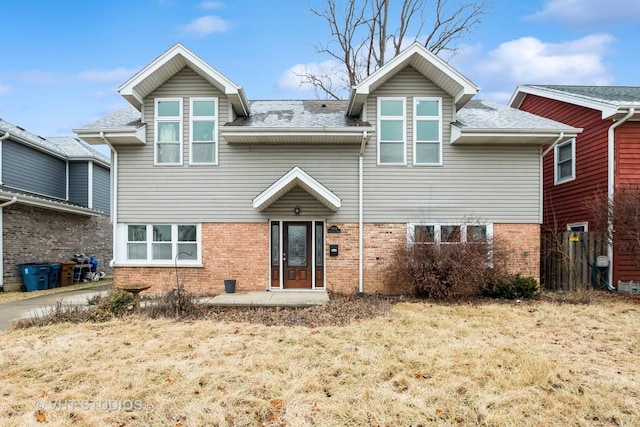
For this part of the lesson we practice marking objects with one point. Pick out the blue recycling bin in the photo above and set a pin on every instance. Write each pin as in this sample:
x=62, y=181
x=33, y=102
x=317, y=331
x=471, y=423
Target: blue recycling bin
x=54, y=274
x=35, y=276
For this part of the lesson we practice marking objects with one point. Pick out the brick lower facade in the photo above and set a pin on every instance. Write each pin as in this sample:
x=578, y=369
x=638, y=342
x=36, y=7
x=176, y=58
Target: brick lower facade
x=32, y=234
x=241, y=252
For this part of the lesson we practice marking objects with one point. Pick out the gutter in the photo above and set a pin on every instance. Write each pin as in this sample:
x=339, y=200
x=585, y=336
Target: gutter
x=611, y=186
x=365, y=139
x=114, y=195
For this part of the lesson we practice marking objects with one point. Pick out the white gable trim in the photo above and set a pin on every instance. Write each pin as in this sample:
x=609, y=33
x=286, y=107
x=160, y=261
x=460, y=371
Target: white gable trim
x=608, y=110
x=170, y=62
x=428, y=64
x=297, y=177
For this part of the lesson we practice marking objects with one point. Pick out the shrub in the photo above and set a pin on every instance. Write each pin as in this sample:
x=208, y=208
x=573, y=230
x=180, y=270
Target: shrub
x=512, y=287
x=440, y=271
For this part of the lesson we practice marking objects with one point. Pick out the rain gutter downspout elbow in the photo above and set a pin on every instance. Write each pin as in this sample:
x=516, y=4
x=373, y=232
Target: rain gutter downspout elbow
x=611, y=185
x=114, y=195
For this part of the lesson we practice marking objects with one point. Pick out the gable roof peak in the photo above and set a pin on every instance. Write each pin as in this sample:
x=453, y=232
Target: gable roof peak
x=426, y=63
x=167, y=65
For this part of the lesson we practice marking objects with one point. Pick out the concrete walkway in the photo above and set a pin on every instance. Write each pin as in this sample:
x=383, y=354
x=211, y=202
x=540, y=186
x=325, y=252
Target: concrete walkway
x=270, y=299
x=40, y=306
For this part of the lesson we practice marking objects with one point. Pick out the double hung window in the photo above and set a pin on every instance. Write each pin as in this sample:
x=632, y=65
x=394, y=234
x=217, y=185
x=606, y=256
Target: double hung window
x=427, y=125
x=392, y=131
x=168, y=131
x=204, y=119
x=162, y=243
x=565, y=161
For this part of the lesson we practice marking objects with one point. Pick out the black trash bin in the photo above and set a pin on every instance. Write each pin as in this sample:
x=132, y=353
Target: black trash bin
x=229, y=286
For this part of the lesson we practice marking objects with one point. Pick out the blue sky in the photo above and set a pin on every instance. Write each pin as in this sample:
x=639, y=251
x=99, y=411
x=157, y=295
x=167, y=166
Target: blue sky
x=63, y=60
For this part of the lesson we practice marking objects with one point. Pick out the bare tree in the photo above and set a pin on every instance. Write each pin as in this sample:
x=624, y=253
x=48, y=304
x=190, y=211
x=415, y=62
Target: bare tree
x=362, y=32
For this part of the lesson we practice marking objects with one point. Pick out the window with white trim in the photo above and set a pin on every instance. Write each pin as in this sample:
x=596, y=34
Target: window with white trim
x=203, y=130
x=163, y=243
x=392, y=131
x=168, y=131
x=449, y=233
x=427, y=125
x=578, y=226
x=565, y=161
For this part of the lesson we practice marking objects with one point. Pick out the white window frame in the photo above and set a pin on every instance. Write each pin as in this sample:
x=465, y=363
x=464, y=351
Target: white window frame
x=123, y=253
x=213, y=118
x=417, y=119
x=381, y=118
x=157, y=120
x=584, y=225
x=438, y=232
x=556, y=168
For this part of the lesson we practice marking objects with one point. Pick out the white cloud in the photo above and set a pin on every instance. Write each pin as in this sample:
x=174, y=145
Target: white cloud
x=117, y=75
x=291, y=79
x=589, y=12
x=205, y=25
x=529, y=60
x=211, y=4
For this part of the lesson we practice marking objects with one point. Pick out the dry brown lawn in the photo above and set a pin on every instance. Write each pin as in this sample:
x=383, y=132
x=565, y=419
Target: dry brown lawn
x=536, y=363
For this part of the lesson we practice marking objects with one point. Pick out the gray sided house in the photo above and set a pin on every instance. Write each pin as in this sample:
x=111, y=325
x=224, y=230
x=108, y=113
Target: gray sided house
x=314, y=194
x=55, y=201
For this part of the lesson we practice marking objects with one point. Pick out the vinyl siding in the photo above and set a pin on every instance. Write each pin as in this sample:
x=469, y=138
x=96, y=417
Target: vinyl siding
x=79, y=183
x=223, y=193
x=493, y=183
x=27, y=169
x=101, y=188
x=628, y=153
x=565, y=203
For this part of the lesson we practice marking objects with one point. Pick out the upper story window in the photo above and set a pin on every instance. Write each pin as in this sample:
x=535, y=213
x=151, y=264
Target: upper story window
x=168, y=134
x=204, y=119
x=427, y=125
x=565, y=161
x=392, y=124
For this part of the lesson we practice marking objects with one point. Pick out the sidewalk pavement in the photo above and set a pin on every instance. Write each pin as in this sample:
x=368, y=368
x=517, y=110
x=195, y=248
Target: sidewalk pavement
x=41, y=305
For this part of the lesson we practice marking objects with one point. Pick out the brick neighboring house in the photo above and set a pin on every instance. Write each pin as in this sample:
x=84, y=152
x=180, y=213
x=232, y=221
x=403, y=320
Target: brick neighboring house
x=54, y=202
x=282, y=194
x=603, y=157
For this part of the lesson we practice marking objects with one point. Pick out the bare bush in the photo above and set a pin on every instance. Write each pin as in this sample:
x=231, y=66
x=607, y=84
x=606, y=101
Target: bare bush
x=444, y=271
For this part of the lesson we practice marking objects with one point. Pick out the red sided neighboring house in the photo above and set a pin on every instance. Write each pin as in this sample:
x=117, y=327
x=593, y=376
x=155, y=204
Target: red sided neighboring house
x=601, y=158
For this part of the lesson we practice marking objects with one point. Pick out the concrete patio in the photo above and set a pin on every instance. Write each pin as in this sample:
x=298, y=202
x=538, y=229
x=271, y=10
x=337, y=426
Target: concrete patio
x=304, y=298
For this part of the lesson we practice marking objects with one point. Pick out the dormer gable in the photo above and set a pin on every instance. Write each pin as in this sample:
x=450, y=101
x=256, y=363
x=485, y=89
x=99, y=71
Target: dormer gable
x=427, y=64
x=171, y=62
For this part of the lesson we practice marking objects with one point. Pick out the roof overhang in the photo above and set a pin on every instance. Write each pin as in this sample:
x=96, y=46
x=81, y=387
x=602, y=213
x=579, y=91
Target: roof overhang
x=59, y=206
x=115, y=136
x=426, y=63
x=461, y=136
x=297, y=177
x=168, y=64
x=608, y=110
x=248, y=135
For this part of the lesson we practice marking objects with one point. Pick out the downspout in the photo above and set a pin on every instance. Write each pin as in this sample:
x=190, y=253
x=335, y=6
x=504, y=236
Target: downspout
x=13, y=200
x=2, y=138
x=365, y=138
x=611, y=186
x=544, y=153
x=114, y=195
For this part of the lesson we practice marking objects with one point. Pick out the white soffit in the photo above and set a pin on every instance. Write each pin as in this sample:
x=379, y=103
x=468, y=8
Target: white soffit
x=297, y=177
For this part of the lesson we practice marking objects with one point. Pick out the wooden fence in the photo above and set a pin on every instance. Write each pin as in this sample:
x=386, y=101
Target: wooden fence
x=567, y=259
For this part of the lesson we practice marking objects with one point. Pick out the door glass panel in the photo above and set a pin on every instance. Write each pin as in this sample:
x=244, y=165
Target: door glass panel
x=297, y=250
x=275, y=243
x=319, y=244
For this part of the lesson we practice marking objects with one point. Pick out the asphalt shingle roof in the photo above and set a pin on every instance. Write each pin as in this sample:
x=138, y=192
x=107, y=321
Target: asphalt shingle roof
x=614, y=95
x=65, y=146
x=126, y=117
x=483, y=114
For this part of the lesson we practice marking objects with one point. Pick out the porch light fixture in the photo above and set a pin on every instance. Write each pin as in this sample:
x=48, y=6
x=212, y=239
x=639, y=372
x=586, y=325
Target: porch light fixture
x=296, y=210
